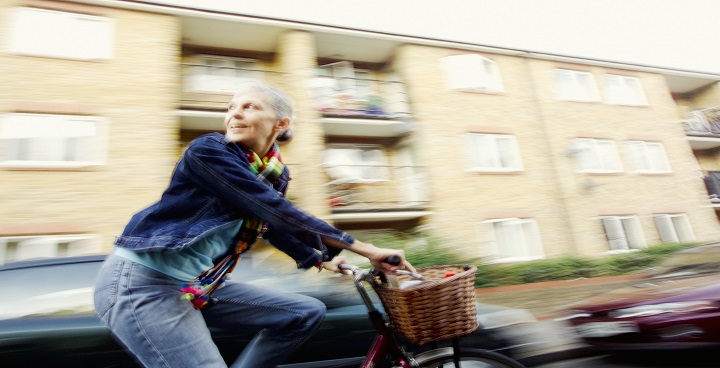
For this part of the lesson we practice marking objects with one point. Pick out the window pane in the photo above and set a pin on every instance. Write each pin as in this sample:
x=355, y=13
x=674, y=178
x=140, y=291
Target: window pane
x=63, y=34
x=471, y=71
x=657, y=157
x=633, y=232
x=34, y=139
x=615, y=233
x=597, y=155
x=513, y=238
x=624, y=90
x=575, y=86
x=648, y=156
x=666, y=229
x=683, y=228
x=493, y=152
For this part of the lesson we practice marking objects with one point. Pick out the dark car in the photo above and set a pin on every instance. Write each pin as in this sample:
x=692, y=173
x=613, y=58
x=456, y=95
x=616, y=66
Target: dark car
x=47, y=317
x=676, y=307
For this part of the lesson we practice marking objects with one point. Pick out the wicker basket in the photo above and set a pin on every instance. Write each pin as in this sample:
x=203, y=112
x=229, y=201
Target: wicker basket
x=441, y=308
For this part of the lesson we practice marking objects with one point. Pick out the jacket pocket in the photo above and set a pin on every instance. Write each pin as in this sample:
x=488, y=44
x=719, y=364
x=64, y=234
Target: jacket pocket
x=106, y=288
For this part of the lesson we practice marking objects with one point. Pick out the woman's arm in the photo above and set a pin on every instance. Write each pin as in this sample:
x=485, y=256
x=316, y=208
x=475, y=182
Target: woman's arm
x=376, y=256
x=225, y=173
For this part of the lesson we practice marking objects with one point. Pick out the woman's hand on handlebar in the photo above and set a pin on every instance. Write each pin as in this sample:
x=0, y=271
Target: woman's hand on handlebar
x=379, y=261
x=334, y=264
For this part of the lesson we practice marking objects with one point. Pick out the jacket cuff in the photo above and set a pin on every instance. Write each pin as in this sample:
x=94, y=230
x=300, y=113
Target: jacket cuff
x=310, y=261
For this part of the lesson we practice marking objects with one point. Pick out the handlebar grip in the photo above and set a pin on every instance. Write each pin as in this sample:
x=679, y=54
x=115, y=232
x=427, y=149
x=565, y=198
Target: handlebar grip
x=344, y=266
x=393, y=260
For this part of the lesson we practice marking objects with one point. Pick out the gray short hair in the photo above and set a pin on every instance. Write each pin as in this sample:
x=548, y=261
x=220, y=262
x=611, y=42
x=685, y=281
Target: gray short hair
x=280, y=102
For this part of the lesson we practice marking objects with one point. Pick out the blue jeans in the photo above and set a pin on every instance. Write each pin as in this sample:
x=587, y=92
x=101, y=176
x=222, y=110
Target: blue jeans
x=144, y=312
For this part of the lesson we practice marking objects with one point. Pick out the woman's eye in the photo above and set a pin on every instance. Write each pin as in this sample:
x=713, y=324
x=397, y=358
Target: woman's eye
x=231, y=107
x=250, y=107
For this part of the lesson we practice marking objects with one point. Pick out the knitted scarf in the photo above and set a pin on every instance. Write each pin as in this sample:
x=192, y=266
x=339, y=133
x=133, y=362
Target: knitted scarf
x=268, y=169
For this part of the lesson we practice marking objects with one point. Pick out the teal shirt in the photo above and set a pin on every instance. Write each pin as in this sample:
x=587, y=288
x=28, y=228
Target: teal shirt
x=188, y=263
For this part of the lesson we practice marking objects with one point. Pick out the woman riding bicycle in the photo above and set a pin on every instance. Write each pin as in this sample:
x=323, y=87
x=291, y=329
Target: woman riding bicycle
x=225, y=191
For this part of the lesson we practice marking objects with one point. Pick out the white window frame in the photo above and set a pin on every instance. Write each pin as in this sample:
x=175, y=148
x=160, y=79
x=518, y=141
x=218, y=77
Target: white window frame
x=512, y=239
x=61, y=34
x=596, y=155
x=52, y=141
x=624, y=90
x=674, y=228
x=648, y=157
x=220, y=74
x=573, y=85
x=623, y=233
x=471, y=72
x=356, y=164
x=18, y=248
x=493, y=152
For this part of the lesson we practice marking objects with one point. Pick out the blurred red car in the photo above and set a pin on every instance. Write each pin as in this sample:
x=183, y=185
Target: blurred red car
x=676, y=307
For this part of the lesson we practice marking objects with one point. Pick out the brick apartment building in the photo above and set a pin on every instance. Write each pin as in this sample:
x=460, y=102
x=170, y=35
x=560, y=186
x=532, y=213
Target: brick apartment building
x=501, y=153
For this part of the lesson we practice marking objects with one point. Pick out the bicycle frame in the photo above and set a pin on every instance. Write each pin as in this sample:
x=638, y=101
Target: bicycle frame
x=385, y=342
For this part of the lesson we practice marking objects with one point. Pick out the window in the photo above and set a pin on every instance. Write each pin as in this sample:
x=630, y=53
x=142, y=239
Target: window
x=493, y=152
x=17, y=248
x=623, y=233
x=513, y=239
x=52, y=141
x=674, y=228
x=622, y=90
x=220, y=74
x=472, y=72
x=357, y=164
x=575, y=86
x=648, y=157
x=62, y=34
x=596, y=155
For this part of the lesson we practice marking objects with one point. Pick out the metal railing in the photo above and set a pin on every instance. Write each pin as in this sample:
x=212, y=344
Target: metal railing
x=212, y=91
x=360, y=98
x=351, y=188
x=334, y=97
x=703, y=122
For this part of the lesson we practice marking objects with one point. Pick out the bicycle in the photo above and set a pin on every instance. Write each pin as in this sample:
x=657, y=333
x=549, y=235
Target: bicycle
x=387, y=346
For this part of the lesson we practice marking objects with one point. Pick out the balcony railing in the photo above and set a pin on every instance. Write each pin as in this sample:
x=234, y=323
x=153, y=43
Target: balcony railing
x=704, y=122
x=210, y=89
x=360, y=98
x=712, y=184
x=367, y=188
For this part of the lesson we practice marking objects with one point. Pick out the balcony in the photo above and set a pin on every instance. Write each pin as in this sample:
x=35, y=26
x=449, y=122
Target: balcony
x=703, y=128
x=208, y=85
x=365, y=107
x=358, y=193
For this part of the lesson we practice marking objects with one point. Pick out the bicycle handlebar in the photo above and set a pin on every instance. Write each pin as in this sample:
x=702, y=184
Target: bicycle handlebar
x=392, y=260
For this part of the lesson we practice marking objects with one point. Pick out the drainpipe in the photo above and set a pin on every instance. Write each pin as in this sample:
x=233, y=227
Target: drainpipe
x=553, y=159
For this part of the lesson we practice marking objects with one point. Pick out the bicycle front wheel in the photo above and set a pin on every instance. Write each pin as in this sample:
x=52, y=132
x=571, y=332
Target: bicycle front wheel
x=467, y=358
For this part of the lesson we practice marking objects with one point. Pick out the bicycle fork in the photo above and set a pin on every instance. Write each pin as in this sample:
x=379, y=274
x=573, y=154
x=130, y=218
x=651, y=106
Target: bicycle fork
x=386, y=345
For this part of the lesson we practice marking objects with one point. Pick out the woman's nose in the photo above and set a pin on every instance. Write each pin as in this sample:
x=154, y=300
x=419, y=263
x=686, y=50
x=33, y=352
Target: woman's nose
x=236, y=112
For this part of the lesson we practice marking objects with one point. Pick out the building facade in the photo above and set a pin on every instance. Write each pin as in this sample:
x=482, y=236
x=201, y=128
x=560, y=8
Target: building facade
x=502, y=154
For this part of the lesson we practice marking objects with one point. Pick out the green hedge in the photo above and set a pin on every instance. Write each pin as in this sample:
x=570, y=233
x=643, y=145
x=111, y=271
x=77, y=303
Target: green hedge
x=423, y=251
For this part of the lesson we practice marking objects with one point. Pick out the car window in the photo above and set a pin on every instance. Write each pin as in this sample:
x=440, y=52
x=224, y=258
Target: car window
x=67, y=289
x=48, y=290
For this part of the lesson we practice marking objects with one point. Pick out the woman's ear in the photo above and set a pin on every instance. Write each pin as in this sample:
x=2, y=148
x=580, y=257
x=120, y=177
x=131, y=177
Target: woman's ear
x=282, y=125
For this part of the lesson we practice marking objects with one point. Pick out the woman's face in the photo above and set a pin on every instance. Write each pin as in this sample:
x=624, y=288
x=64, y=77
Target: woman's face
x=251, y=121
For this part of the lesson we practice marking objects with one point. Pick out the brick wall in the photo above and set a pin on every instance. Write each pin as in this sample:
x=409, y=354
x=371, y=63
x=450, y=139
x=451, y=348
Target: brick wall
x=136, y=92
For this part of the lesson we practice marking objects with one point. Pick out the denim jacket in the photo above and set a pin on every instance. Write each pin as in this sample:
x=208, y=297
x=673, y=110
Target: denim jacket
x=213, y=186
